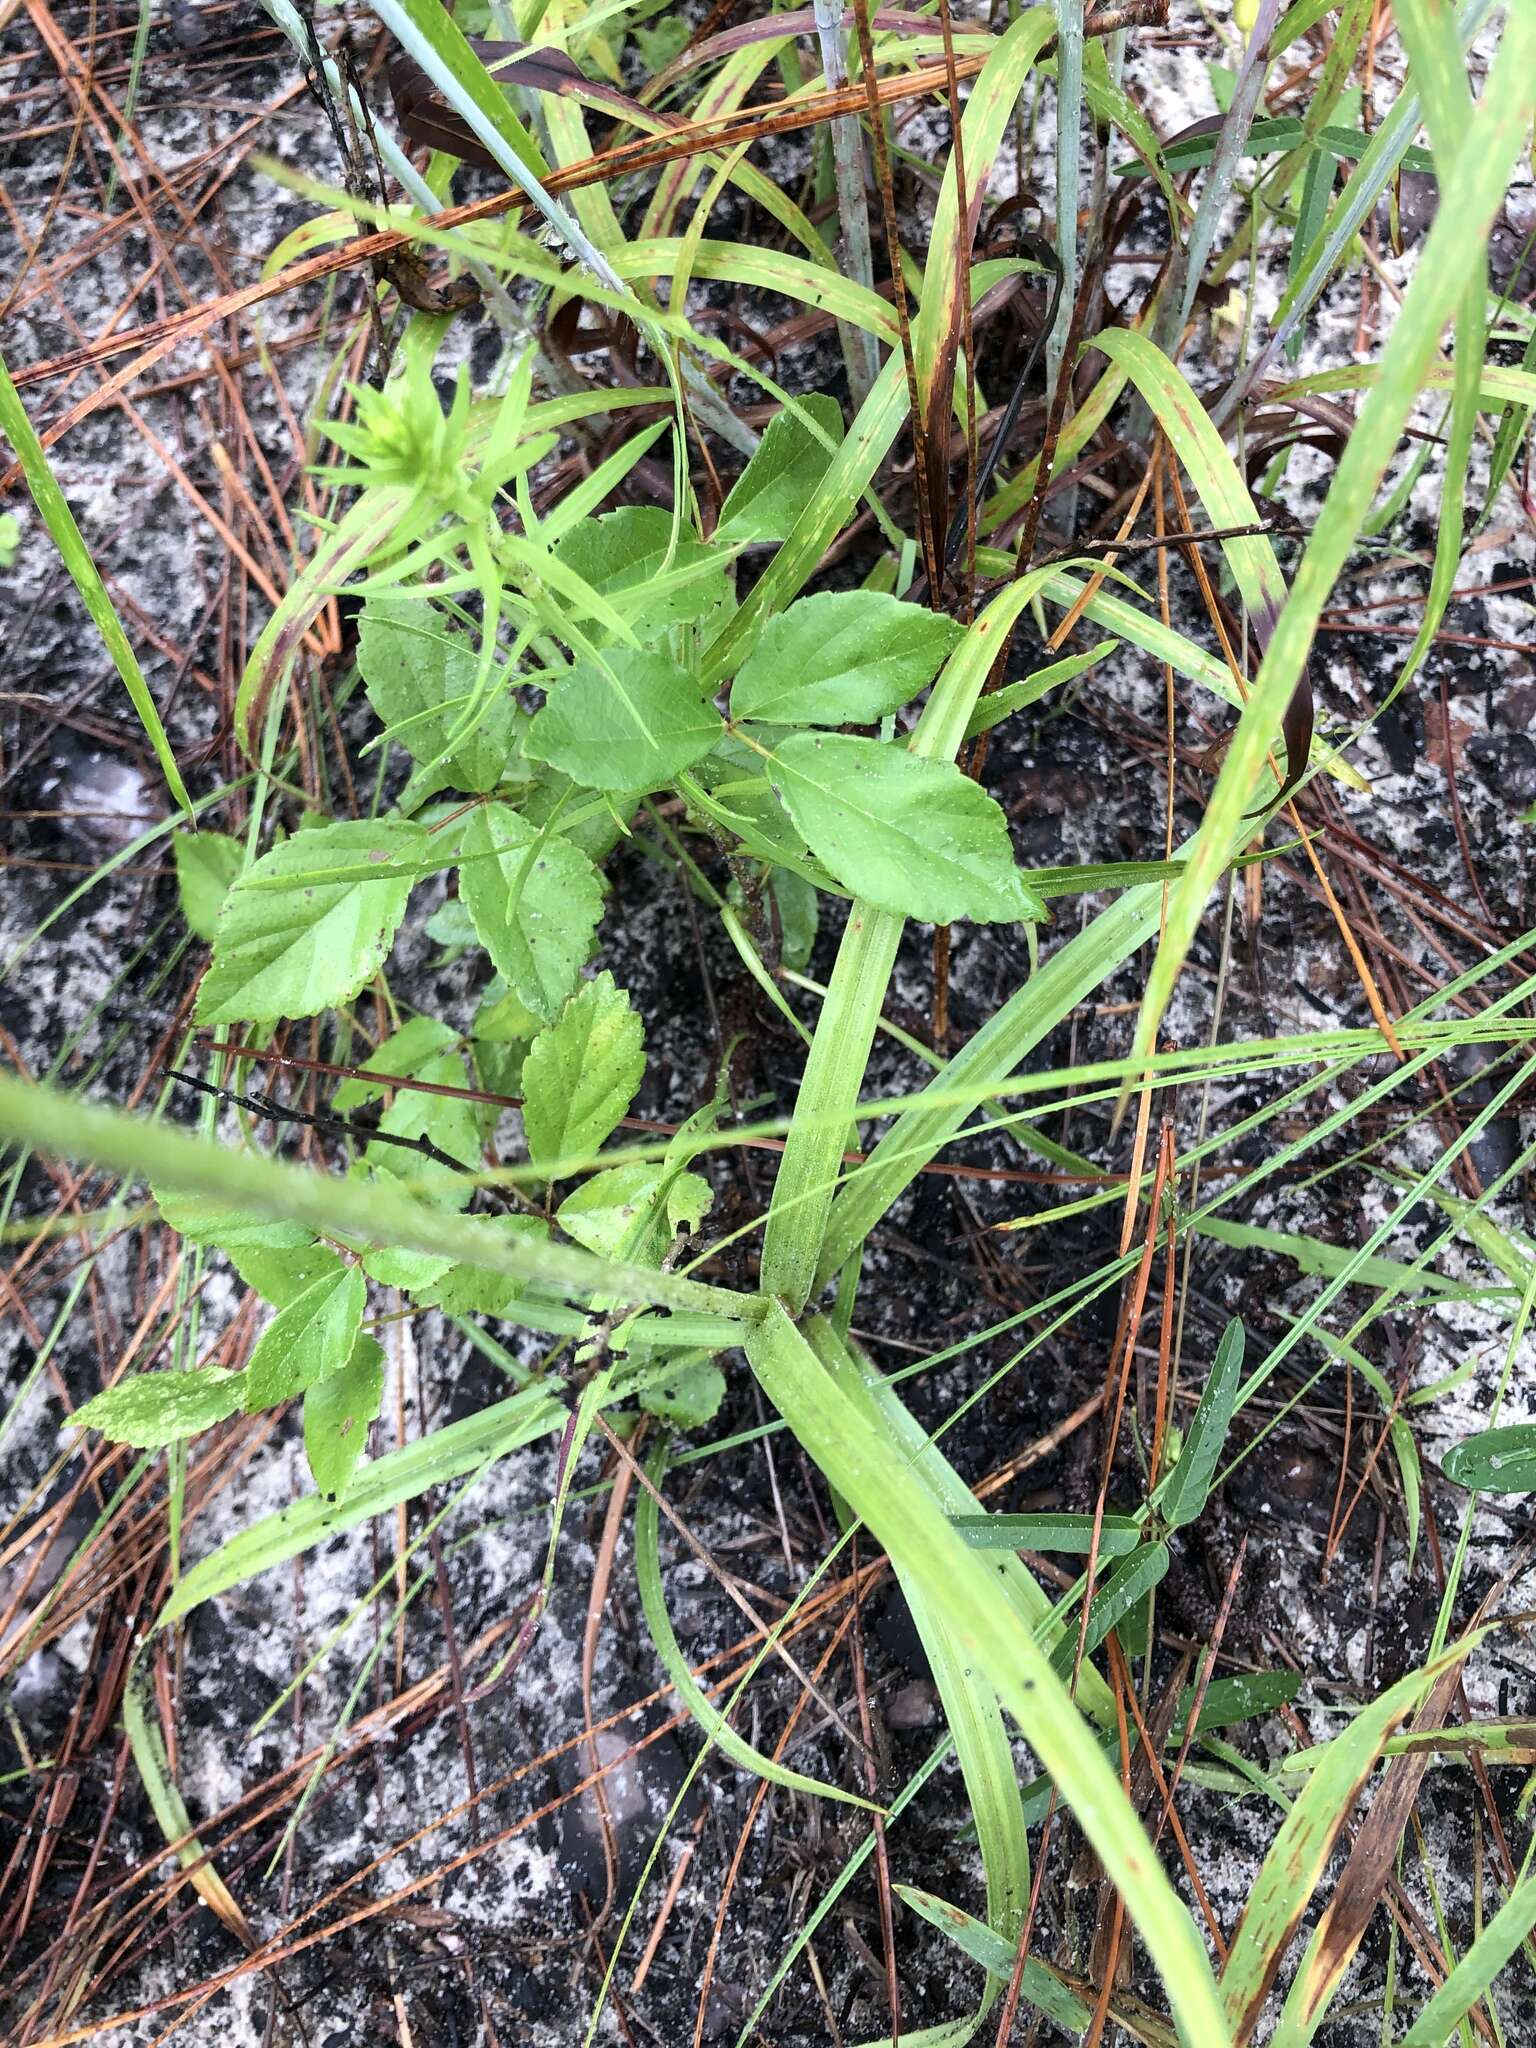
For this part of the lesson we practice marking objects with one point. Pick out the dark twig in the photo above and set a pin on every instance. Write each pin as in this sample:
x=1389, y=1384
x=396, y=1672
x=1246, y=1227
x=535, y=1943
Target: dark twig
x=336, y=1126
x=997, y=446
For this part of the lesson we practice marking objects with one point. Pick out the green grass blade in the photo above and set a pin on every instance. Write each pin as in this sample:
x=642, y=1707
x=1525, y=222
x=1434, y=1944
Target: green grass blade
x=834, y=1067
x=379, y=1485
x=65, y=1127
x=1299, y=1854
x=67, y=538
x=848, y=475
x=716, y=1727
x=1214, y=474
x=983, y=1064
x=926, y=1460
x=982, y=1744
x=1452, y=253
x=1038, y=1985
x=1473, y=1975
x=871, y=1475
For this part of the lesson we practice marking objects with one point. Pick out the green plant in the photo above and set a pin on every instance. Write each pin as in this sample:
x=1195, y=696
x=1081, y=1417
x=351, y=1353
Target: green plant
x=549, y=678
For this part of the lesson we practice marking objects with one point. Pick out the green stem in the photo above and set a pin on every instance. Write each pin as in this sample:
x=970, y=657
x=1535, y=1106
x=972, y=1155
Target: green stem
x=64, y=1127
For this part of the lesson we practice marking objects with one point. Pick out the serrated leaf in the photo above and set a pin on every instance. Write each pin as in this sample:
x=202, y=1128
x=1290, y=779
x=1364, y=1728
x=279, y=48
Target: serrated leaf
x=156, y=1408
x=911, y=836
x=419, y=676
x=535, y=900
x=281, y=1274
x=312, y=1336
x=337, y=1412
x=581, y=1074
x=628, y=557
x=843, y=657
x=471, y=1290
x=1183, y=1493
x=1495, y=1460
x=450, y=1123
x=633, y=1212
x=688, y=1394
x=204, y=1222
x=293, y=951
x=783, y=474
x=632, y=728
x=446, y=1121
x=393, y=1266
x=206, y=864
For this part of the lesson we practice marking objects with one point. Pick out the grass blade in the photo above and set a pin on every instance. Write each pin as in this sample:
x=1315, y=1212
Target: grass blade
x=60, y=522
x=1452, y=253
x=1299, y=1853
x=1473, y=1975
x=65, y=1127
x=716, y=1726
x=865, y=1467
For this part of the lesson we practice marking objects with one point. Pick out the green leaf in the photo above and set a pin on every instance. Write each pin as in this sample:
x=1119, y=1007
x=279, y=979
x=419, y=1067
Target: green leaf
x=1038, y=1983
x=535, y=900
x=156, y=1408
x=844, y=657
x=1183, y=1493
x=799, y=912
x=687, y=1394
x=420, y=677
x=629, y=557
x=474, y=1291
x=911, y=836
x=709, y=1717
x=76, y=556
x=312, y=1336
x=206, y=864
x=874, y=1475
x=581, y=1074
x=633, y=1212
x=1013, y=697
x=1127, y=1585
x=1240, y=1698
x=403, y=1054
x=1495, y=1460
x=632, y=728
x=290, y=951
x=1495, y=1945
x=446, y=1121
x=337, y=1412
x=771, y=492
x=207, y=1222
x=281, y=1274
x=1070, y=1534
